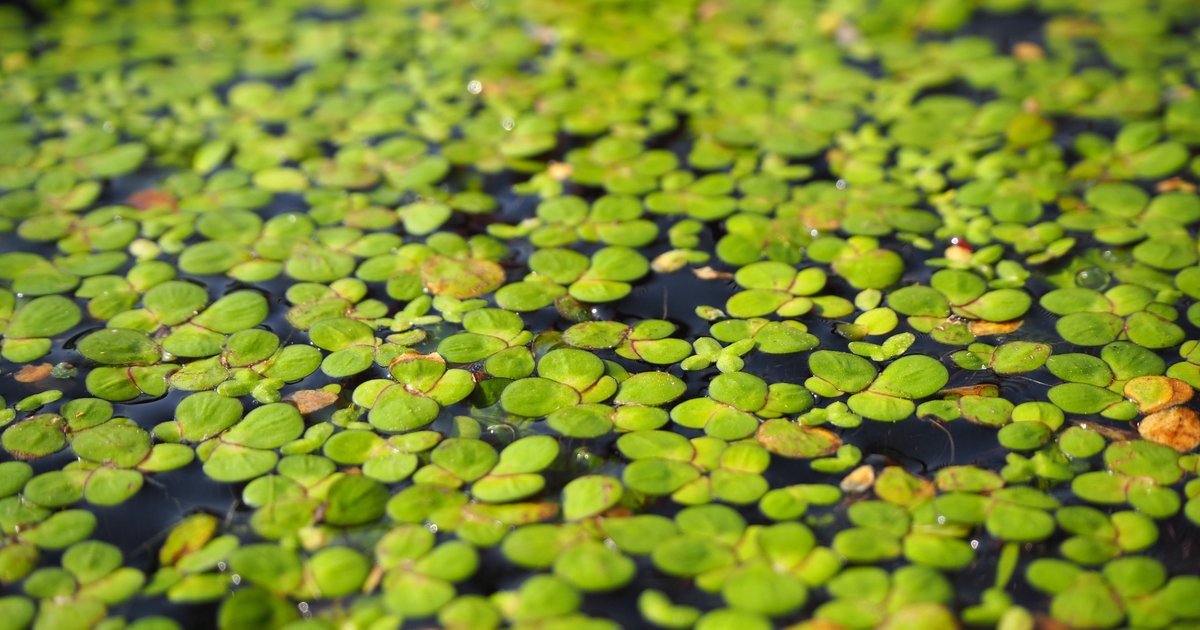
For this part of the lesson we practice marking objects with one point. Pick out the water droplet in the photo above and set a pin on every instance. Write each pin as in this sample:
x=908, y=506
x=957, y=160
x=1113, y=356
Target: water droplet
x=107, y=126
x=601, y=313
x=502, y=433
x=508, y=123
x=236, y=579
x=974, y=544
x=585, y=460
x=841, y=184
x=1115, y=255
x=220, y=566
x=302, y=607
x=1092, y=278
x=474, y=87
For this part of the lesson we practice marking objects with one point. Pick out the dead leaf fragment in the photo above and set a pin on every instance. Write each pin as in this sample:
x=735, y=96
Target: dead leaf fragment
x=545, y=36
x=461, y=278
x=430, y=21
x=1177, y=427
x=958, y=253
x=670, y=261
x=1028, y=51
x=560, y=170
x=310, y=400
x=373, y=579
x=985, y=390
x=789, y=439
x=1067, y=203
x=985, y=329
x=619, y=511
x=859, y=480
x=897, y=486
x=708, y=10
x=33, y=373
x=1174, y=184
x=151, y=198
x=1046, y=622
x=708, y=273
x=1112, y=433
x=1155, y=393
x=14, y=61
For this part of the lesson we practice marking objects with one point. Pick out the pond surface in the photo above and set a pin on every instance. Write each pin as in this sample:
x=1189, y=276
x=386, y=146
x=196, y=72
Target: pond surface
x=723, y=314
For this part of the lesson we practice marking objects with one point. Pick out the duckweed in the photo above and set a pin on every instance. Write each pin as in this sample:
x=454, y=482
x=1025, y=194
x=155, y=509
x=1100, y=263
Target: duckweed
x=714, y=315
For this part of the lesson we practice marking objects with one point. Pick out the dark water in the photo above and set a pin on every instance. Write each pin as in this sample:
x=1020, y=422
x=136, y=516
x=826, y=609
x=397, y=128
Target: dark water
x=922, y=447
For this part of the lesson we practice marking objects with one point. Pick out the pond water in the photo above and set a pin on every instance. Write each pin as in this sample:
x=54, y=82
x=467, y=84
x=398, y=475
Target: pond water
x=405, y=313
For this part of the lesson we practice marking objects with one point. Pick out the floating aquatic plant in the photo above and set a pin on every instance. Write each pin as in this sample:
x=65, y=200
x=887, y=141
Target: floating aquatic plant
x=543, y=315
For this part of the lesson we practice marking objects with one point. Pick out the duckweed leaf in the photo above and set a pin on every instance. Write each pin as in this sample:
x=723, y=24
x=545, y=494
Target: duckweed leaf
x=792, y=440
x=591, y=566
x=589, y=496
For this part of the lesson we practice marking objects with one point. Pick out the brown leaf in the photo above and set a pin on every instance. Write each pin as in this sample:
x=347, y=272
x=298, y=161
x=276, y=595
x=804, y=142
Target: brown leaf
x=959, y=253
x=373, y=579
x=1028, y=51
x=859, y=480
x=619, y=511
x=708, y=10
x=33, y=373
x=461, y=278
x=1175, y=184
x=708, y=273
x=1177, y=427
x=788, y=439
x=510, y=513
x=1112, y=433
x=188, y=537
x=984, y=329
x=560, y=170
x=310, y=400
x=983, y=389
x=1046, y=622
x=896, y=485
x=1155, y=393
x=430, y=21
x=545, y=36
x=1067, y=203
x=836, y=156
x=669, y=261
x=151, y=198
